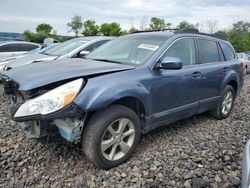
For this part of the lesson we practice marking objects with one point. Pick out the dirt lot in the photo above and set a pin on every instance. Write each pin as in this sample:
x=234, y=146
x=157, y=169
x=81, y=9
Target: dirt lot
x=198, y=152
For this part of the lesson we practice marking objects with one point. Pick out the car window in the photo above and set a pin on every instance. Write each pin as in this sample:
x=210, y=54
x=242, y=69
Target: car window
x=240, y=55
x=129, y=49
x=220, y=53
x=10, y=48
x=247, y=57
x=227, y=50
x=208, y=51
x=92, y=47
x=65, y=47
x=28, y=47
x=183, y=49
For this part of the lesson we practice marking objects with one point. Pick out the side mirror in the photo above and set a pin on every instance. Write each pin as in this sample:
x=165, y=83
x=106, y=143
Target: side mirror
x=172, y=63
x=83, y=53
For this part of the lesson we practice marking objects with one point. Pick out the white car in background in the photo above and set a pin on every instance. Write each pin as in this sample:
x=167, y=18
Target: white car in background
x=11, y=48
x=245, y=59
x=77, y=47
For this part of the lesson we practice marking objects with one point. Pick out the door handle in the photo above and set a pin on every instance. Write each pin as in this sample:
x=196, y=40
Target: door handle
x=196, y=75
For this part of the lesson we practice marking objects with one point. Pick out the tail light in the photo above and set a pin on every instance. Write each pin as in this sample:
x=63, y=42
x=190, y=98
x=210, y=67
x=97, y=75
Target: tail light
x=242, y=66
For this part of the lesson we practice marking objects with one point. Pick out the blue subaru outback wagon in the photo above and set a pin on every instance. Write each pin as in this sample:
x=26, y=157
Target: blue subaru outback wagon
x=126, y=88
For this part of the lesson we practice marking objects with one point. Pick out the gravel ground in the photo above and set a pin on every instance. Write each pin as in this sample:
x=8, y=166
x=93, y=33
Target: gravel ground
x=198, y=152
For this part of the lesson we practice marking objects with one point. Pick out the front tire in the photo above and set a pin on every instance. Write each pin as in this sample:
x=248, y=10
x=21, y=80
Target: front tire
x=111, y=135
x=225, y=105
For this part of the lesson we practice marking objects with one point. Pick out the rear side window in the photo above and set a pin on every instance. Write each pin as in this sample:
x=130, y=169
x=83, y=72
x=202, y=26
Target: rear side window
x=208, y=51
x=10, y=48
x=227, y=50
x=183, y=49
x=17, y=47
x=27, y=47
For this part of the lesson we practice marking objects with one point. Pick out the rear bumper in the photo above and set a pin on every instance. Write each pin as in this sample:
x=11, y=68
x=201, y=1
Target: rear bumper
x=246, y=167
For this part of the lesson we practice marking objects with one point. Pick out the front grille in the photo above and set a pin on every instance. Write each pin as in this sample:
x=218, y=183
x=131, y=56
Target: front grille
x=9, y=85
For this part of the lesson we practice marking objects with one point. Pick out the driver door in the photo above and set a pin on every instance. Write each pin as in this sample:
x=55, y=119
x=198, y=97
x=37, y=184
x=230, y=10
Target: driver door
x=175, y=92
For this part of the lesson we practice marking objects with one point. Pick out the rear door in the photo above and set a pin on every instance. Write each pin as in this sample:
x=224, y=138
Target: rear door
x=212, y=68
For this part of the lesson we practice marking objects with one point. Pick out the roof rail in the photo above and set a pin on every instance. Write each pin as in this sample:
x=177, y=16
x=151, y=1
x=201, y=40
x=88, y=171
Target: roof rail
x=187, y=31
x=180, y=31
x=154, y=30
x=196, y=31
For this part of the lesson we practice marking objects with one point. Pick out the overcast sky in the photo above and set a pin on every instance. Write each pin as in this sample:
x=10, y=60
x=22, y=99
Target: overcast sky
x=19, y=15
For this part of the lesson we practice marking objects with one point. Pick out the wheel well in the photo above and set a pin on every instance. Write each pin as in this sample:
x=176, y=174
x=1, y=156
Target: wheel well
x=134, y=104
x=234, y=85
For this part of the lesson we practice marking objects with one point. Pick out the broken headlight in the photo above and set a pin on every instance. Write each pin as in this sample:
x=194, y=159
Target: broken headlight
x=51, y=101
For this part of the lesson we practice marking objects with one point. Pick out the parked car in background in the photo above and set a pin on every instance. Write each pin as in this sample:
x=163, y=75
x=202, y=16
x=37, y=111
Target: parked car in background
x=73, y=48
x=248, y=53
x=16, y=48
x=126, y=88
x=245, y=59
x=245, y=180
x=4, y=39
x=40, y=50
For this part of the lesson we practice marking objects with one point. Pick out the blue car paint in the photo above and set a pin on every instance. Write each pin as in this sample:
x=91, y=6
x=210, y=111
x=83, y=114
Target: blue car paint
x=166, y=95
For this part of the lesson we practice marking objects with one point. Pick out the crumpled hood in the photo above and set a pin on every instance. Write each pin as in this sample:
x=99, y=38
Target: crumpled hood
x=28, y=59
x=43, y=73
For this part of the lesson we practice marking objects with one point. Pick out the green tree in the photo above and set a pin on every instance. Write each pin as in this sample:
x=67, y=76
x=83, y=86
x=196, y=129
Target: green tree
x=185, y=25
x=241, y=27
x=90, y=28
x=29, y=36
x=44, y=29
x=158, y=24
x=132, y=30
x=239, y=36
x=111, y=29
x=75, y=25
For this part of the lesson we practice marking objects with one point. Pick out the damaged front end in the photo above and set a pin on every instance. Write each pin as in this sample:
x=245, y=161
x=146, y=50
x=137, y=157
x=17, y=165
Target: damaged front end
x=45, y=114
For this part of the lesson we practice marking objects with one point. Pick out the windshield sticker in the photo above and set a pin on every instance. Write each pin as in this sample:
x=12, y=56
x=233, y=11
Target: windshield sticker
x=148, y=47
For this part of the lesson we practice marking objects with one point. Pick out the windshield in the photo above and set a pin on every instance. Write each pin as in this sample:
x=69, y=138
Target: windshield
x=130, y=49
x=35, y=51
x=65, y=47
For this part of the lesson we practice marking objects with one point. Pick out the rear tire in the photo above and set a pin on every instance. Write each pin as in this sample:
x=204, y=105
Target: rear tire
x=111, y=136
x=225, y=105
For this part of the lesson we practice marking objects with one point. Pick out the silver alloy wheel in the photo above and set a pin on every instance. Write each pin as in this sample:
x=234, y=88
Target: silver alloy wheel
x=227, y=102
x=118, y=139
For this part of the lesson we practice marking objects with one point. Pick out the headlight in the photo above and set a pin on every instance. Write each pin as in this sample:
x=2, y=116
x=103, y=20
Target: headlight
x=51, y=101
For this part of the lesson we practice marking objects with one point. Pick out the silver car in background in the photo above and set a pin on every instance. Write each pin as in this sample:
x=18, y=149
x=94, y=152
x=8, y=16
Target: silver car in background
x=73, y=48
x=39, y=50
x=245, y=182
x=10, y=48
x=244, y=58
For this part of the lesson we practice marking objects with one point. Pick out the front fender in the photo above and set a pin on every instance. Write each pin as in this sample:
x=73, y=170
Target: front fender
x=97, y=96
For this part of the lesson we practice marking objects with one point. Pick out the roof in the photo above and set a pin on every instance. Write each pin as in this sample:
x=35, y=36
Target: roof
x=18, y=42
x=91, y=38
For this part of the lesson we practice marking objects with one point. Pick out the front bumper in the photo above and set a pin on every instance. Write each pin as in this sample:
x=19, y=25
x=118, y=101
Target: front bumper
x=68, y=121
x=8, y=85
x=246, y=167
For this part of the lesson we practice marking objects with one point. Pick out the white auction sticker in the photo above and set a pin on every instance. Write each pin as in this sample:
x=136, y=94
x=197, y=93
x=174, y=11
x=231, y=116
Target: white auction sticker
x=148, y=47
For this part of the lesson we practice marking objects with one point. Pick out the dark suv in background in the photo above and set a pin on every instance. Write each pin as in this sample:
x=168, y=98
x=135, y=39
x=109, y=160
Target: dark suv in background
x=126, y=88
